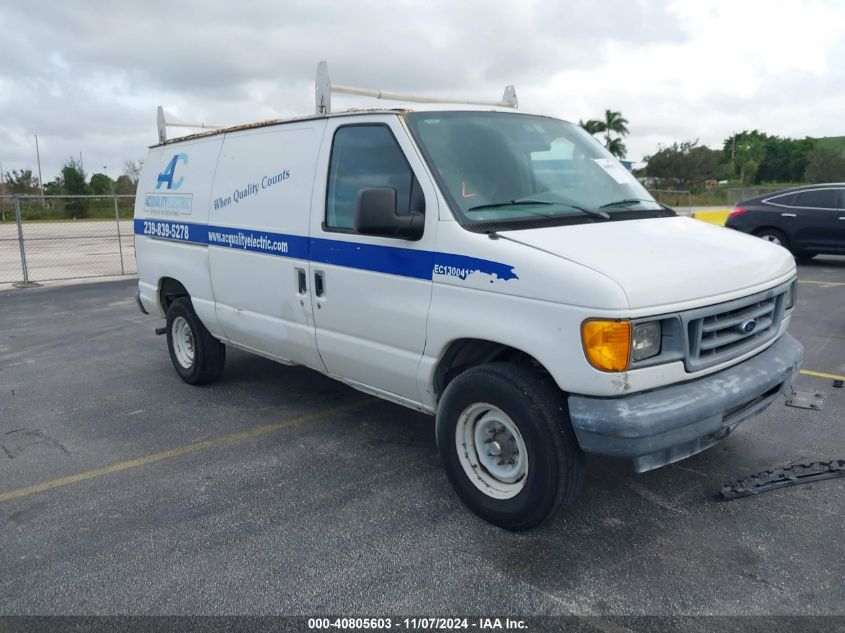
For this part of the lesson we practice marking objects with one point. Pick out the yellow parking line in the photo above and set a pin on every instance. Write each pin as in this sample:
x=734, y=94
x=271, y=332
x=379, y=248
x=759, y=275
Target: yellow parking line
x=819, y=374
x=225, y=440
x=821, y=283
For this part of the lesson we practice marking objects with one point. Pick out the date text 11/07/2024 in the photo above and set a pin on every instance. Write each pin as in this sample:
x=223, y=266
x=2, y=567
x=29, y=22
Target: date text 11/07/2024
x=423, y=623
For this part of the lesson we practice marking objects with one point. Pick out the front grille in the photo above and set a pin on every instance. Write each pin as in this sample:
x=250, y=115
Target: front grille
x=719, y=333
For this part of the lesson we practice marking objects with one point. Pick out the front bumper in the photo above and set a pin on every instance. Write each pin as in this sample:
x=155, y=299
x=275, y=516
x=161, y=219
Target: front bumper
x=658, y=427
x=139, y=302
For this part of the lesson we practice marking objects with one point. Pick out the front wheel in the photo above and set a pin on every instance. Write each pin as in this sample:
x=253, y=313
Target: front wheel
x=507, y=446
x=197, y=356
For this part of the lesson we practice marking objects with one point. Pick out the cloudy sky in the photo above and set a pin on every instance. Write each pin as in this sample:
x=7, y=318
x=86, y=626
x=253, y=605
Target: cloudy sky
x=86, y=76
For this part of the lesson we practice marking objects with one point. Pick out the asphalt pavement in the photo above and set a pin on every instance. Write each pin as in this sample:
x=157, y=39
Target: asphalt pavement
x=279, y=491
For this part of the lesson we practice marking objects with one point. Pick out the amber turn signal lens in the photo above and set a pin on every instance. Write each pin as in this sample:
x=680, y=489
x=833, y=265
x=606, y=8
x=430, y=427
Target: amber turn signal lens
x=607, y=344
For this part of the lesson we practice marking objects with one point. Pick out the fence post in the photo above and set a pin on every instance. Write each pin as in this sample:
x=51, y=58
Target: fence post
x=119, y=241
x=20, y=240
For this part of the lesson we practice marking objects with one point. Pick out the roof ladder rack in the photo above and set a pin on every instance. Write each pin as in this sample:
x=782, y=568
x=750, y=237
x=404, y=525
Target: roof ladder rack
x=324, y=89
x=163, y=124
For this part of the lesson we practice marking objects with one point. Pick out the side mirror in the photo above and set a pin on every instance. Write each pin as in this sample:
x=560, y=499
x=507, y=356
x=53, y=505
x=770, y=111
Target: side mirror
x=375, y=214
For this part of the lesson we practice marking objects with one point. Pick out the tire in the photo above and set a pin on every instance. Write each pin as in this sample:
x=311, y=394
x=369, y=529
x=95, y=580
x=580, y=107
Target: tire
x=197, y=356
x=775, y=236
x=488, y=402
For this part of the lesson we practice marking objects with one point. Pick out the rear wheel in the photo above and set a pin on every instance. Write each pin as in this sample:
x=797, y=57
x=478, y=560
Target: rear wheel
x=197, y=356
x=507, y=446
x=774, y=236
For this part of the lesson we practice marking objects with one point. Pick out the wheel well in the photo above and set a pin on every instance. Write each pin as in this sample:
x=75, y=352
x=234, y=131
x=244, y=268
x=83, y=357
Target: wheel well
x=168, y=290
x=466, y=353
x=785, y=239
x=768, y=229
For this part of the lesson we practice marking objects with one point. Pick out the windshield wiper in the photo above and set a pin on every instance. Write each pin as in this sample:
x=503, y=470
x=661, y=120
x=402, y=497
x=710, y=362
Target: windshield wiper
x=626, y=201
x=593, y=214
x=508, y=203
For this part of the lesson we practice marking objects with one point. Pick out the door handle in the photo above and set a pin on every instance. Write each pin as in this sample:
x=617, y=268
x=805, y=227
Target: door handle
x=842, y=217
x=789, y=215
x=319, y=288
x=301, y=281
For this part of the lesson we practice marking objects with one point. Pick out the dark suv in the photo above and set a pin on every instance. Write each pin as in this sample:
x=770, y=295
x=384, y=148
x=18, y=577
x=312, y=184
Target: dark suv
x=806, y=220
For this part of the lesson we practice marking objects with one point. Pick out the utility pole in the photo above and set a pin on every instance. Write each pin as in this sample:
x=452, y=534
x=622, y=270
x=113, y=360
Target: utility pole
x=40, y=179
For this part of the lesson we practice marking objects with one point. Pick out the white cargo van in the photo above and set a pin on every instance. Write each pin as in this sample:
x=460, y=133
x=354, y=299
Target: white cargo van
x=498, y=270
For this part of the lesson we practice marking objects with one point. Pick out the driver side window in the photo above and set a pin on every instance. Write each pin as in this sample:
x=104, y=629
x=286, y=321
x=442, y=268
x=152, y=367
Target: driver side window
x=366, y=156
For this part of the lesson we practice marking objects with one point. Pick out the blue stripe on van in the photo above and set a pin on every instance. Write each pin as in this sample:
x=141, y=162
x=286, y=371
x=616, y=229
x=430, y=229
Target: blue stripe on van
x=392, y=260
x=407, y=262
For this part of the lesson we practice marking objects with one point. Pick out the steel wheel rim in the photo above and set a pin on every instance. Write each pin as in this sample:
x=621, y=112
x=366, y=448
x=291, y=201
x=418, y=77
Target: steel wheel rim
x=491, y=451
x=183, y=342
x=773, y=239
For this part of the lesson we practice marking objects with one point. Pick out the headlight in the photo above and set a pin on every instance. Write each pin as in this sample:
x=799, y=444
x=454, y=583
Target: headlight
x=791, y=295
x=607, y=344
x=646, y=340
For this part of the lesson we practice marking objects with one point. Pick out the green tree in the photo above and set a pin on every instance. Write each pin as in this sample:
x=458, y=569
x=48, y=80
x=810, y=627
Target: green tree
x=21, y=182
x=746, y=149
x=784, y=160
x=73, y=179
x=617, y=147
x=684, y=165
x=613, y=124
x=55, y=187
x=100, y=185
x=749, y=171
x=124, y=185
x=593, y=126
x=825, y=165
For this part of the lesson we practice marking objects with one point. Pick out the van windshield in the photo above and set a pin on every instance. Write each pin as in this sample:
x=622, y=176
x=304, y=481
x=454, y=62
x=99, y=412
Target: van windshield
x=503, y=170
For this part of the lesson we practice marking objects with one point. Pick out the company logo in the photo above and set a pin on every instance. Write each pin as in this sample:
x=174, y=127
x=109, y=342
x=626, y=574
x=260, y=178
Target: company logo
x=166, y=177
x=748, y=326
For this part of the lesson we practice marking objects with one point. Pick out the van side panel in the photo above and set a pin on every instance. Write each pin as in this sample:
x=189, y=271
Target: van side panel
x=524, y=298
x=174, y=197
x=258, y=240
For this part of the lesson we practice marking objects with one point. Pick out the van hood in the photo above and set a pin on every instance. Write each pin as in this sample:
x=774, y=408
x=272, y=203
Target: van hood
x=663, y=261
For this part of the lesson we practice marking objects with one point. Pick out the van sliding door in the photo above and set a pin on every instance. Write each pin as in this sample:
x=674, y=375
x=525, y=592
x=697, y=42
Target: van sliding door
x=258, y=239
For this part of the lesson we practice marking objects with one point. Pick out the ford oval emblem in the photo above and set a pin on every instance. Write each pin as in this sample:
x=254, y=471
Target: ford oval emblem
x=748, y=326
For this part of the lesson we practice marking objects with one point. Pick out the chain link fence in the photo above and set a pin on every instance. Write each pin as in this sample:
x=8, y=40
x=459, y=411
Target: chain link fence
x=678, y=199
x=45, y=238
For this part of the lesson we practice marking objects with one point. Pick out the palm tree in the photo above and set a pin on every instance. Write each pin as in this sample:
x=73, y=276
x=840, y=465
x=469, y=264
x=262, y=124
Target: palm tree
x=593, y=126
x=617, y=147
x=613, y=122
